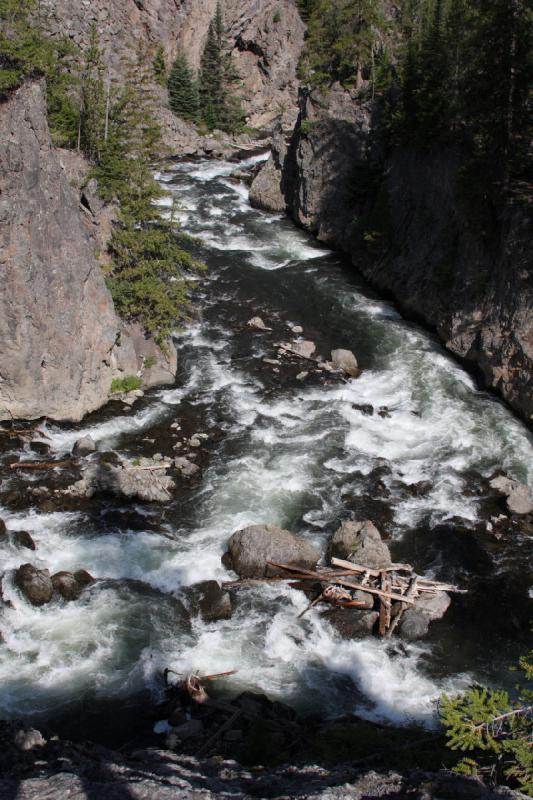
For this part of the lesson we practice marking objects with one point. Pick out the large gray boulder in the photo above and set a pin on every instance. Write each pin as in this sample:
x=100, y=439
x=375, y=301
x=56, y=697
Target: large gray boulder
x=519, y=497
x=427, y=608
x=361, y=543
x=345, y=361
x=107, y=474
x=250, y=549
x=35, y=584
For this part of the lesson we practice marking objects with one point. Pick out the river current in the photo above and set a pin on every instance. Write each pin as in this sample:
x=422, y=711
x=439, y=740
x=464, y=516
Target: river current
x=303, y=456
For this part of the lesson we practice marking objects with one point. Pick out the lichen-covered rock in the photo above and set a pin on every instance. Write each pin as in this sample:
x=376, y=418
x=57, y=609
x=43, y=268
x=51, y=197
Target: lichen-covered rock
x=250, y=549
x=361, y=543
x=35, y=584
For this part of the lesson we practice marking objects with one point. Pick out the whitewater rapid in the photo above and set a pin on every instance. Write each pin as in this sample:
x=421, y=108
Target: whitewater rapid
x=291, y=458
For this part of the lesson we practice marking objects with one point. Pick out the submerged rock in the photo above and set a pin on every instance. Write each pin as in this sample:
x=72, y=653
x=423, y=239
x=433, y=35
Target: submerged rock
x=35, y=584
x=352, y=623
x=23, y=539
x=250, y=549
x=345, y=361
x=361, y=543
x=213, y=602
x=84, y=446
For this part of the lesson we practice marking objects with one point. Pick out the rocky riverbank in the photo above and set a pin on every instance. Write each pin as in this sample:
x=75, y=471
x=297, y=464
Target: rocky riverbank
x=412, y=236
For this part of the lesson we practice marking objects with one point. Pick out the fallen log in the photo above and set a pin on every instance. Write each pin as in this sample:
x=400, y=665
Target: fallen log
x=424, y=584
x=40, y=464
x=375, y=573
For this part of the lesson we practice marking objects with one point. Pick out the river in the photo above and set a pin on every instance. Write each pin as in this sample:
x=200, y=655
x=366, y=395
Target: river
x=299, y=454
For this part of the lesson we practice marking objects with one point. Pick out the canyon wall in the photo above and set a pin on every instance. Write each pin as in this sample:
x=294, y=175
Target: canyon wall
x=265, y=37
x=61, y=342
x=404, y=220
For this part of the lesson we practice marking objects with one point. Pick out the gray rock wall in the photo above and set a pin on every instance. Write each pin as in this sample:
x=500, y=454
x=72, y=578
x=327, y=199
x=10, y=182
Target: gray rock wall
x=265, y=49
x=57, y=322
x=423, y=245
x=61, y=342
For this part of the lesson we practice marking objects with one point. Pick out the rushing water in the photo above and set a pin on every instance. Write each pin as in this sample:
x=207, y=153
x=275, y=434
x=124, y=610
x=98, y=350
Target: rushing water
x=297, y=455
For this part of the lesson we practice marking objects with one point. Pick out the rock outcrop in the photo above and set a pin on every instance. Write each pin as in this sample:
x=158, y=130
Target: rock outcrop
x=265, y=37
x=251, y=548
x=412, y=237
x=61, y=342
x=58, y=327
x=361, y=543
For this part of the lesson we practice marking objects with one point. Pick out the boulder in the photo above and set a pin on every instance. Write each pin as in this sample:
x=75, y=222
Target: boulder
x=427, y=608
x=352, y=623
x=28, y=739
x=185, y=467
x=110, y=475
x=258, y=324
x=35, y=584
x=361, y=543
x=40, y=447
x=304, y=348
x=83, y=578
x=345, y=361
x=66, y=585
x=3, y=529
x=250, y=549
x=84, y=446
x=213, y=602
x=414, y=624
x=519, y=497
x=23, y=539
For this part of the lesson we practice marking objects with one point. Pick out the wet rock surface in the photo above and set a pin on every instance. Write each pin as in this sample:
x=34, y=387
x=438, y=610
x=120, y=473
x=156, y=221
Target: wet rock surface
x=361, y=543
x=250, y=549
x=35, y=584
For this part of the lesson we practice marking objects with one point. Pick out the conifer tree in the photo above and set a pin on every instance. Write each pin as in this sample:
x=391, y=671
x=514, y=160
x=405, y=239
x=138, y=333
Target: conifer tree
x=219, y=107
x=92, y=113
x=182, y=89
x=160, y=66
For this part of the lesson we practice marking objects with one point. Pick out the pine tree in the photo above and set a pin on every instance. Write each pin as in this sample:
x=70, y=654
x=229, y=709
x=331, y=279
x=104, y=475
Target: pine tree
x=488, y=725
x=92, y=112
x=182, y=89
x=219, y=107
x=160, y=66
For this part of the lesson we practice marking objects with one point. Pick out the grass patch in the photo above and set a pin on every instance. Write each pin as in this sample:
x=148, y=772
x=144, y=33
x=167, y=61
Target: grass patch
x=127, y=384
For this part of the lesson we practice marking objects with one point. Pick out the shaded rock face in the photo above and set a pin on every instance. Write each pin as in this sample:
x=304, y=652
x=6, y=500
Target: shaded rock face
x=266, y=37
x=57, y=322
x=265, y=191
x=425, y=251
x=251, y=548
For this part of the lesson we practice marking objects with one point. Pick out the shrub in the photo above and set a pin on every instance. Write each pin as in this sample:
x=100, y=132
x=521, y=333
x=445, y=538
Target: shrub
x=128, y=384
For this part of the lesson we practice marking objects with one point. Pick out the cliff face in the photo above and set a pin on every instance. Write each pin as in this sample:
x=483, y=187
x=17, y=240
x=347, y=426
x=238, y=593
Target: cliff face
x=410, y=233
x=266, y=37
x=61, y=342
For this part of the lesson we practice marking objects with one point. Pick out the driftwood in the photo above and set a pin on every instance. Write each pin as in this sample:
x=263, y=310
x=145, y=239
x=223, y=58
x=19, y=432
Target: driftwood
x=40, y=464
x=385, y=605
x=375, y=573
x=337, y=581
x=411, y=592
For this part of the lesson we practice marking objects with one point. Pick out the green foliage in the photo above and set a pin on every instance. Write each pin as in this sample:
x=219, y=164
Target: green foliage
x=343, y=41
x=219, y=107
x=276, y=16
x=128, y=384
x=160, y=66
x=306, y=7
x=149, y=362
x=496, y=730
x=26, y=52
x=182, y=89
